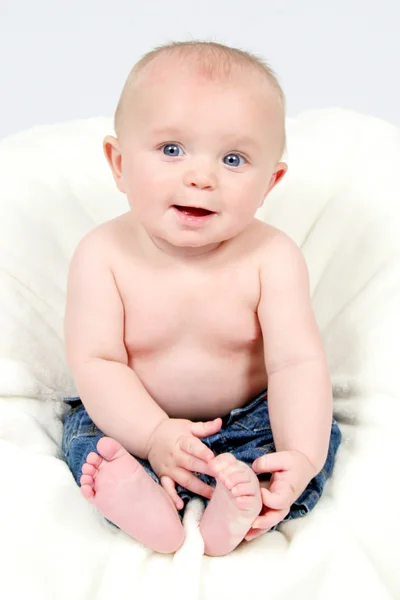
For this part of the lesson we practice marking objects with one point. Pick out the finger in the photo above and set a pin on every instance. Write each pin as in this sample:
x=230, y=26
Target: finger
x=190, y=463
x=206, y=428
x=276, y=461
x=192, y=483
x=195, y=447
x=277, y=499
x=169, y=486
x=271, y=518
x=253, y=533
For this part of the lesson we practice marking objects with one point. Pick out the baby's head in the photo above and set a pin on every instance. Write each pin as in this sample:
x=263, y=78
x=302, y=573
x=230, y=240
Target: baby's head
x=200, y=131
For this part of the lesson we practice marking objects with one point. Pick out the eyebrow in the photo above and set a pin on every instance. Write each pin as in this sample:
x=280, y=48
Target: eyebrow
x=243, y=141
x=166, y=132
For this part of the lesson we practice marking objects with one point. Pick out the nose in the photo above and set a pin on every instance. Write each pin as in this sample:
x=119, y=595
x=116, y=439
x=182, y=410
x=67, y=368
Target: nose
x=201, y=179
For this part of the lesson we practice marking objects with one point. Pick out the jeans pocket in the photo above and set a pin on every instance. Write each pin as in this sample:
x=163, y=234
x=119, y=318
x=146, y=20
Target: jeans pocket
x=255, y=420
x=73, y=403
x=252, y=425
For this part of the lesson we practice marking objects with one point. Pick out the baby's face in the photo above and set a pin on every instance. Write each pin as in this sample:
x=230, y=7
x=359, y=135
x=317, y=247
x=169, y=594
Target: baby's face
x=199, y=157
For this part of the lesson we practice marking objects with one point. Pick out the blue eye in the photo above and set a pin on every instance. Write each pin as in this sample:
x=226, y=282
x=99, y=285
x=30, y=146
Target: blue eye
x=171, y=150
x=233, y=160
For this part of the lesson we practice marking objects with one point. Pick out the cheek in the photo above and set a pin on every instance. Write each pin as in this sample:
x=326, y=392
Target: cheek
x=244, y=197
x=147, y=177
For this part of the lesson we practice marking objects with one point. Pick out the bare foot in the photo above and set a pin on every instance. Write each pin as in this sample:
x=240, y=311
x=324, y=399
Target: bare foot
x=233, y=507
x=117, y=484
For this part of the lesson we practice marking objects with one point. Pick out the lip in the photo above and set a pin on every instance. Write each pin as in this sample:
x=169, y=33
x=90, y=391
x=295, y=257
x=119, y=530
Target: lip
x=191, y=219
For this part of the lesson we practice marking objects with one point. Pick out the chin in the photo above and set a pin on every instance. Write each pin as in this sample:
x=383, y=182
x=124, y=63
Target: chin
x=190, y=244
x=180, y=242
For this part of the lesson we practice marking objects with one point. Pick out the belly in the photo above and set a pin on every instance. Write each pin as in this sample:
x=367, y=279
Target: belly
x=199, y=385
x=193, y=337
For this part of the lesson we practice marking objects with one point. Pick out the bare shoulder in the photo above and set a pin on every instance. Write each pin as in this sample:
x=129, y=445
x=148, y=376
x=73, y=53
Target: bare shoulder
x=102, y=242
x=279, y=255
x=267, y=236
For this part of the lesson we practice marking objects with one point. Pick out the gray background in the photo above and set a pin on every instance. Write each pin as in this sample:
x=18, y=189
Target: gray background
x=65, y=60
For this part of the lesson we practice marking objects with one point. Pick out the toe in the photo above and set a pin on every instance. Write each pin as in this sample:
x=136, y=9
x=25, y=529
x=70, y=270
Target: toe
x=242, y=489
x=222, y=462
x=235, y=476
x=227, y=458
x=247, y=503
x=88, y=469
x=110, y=449
x=86, y=480
x=94, y=459
x=236, y=479
x=87, y=491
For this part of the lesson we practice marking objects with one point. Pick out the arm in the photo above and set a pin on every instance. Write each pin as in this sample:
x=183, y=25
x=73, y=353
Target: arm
x=299, y=386
x=111, y=392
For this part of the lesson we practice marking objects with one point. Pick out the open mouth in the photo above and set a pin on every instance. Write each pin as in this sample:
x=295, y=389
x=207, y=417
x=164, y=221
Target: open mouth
x=193, y=211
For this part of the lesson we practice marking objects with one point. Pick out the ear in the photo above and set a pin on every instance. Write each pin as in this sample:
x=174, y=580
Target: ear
x=114, y=158
x=279, y=171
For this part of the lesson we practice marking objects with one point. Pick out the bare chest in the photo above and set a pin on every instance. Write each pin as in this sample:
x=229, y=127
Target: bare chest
x=210, y=310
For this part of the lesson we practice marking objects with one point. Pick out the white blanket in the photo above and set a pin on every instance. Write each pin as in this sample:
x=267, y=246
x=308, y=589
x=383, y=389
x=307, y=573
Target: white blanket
x=341, y=202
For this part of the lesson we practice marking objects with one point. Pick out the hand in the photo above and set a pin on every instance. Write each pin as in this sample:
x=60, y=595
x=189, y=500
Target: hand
x=175, y=452
x=292, y=471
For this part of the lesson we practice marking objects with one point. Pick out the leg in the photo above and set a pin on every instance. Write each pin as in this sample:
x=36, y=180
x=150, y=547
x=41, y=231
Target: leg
x=233, y=507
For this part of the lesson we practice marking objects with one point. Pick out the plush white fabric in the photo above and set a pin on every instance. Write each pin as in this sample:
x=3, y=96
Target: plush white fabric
x=340, y=202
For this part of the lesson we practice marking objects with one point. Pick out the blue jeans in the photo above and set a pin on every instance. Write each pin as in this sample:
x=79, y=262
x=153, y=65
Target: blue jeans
x=245, y=432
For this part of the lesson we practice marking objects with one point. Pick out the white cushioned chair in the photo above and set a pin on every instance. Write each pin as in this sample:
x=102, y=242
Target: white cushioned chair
x=340, y=201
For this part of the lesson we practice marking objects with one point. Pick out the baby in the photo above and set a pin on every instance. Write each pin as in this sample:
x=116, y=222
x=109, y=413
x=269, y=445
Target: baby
x=183, y=312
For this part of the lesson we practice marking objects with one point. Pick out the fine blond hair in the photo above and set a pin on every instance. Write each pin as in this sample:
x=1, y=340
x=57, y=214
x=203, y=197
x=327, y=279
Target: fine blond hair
x=214, y=61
